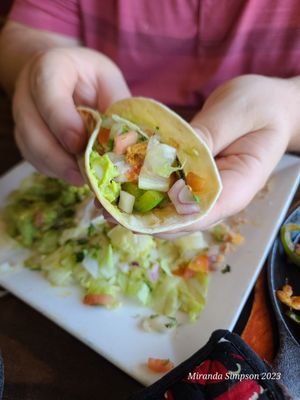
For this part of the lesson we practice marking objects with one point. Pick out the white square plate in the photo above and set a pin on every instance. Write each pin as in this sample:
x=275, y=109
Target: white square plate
x=116, y=334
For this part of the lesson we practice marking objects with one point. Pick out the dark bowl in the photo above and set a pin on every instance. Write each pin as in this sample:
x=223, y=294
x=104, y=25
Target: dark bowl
x=281, y=271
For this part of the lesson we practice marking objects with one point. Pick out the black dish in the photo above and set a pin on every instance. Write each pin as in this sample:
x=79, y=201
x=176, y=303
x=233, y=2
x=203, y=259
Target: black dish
x=281, y=271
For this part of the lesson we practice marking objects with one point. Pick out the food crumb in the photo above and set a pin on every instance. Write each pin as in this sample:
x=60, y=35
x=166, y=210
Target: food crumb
x=226, y=269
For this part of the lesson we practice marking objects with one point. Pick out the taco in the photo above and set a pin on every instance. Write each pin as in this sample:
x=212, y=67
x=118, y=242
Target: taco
x=147, y=166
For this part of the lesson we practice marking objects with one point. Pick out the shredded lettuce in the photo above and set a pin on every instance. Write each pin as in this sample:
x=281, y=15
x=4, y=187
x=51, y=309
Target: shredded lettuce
x=192, y=294
x=125, y=123
x=130, y=244
x=105, y=171
x=78, y=246
x=191, y=245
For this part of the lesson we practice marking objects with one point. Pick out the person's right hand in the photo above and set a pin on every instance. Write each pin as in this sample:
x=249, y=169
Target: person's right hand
x=48, y=129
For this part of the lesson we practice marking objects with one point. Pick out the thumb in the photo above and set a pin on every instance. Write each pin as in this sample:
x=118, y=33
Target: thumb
x=225, y=117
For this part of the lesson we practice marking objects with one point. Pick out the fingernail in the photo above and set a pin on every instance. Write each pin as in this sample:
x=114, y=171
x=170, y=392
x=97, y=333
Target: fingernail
x=74, y=177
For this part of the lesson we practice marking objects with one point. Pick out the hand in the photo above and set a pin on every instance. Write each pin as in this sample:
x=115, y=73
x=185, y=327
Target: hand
x=248, y=123
x=49, y=130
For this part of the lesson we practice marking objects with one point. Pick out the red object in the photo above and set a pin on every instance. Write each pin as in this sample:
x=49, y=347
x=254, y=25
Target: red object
x=258, y=332
x=168, y=395
x=245, y=389
x=122, y=142
x=184, y=272
x=199, y=264
x=98, y=299
x=103, y=135
x=158, y=365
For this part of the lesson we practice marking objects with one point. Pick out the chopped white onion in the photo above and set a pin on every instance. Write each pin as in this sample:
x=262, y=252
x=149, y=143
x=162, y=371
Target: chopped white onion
x=185, y=196
x=175, y=189
x=114, y=158
x=123, y=167
x=150, y=181
x=126, y=202
x=158, y=155
x=124, y=267
x=181, y=208
x=186, y=209
x=90, y=265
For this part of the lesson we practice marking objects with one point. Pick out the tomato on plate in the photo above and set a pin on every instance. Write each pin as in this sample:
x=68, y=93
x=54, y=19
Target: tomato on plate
x=160, y=365
x=199, y=263
x=98, y=299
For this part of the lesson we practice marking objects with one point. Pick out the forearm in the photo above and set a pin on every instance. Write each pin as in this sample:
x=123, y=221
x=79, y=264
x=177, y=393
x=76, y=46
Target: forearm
x=18, y=44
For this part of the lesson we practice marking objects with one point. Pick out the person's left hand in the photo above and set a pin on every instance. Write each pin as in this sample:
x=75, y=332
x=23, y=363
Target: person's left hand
x=248, y=123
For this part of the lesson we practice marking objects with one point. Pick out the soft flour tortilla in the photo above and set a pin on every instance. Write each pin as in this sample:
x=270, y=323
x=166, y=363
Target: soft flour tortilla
x=192, y=153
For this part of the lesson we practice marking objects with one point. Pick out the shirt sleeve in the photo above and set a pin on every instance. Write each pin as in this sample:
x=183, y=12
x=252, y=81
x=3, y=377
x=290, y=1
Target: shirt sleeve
x=59, y=16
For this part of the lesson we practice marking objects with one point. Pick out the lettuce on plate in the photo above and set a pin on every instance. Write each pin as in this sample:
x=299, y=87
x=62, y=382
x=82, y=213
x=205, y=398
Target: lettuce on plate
x=73, y=244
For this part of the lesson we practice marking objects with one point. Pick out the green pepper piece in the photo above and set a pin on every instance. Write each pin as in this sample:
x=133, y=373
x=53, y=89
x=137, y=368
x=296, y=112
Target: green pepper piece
x=133, y=189
x=149, y=200
x=286, y=240
x=293, y=316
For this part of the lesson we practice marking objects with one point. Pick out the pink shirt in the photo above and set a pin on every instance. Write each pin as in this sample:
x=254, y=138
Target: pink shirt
x=178, y=51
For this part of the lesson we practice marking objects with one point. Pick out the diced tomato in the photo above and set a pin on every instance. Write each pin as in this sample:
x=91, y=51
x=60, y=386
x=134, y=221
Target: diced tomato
x=195, y=182
x=199, y=263
x=103, y=136
x=184, y=272
x=123, y=141
x=158, y=365
x=98, y=299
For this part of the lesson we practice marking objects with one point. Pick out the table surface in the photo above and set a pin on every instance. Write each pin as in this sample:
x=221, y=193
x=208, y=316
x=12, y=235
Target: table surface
x=41, y=360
